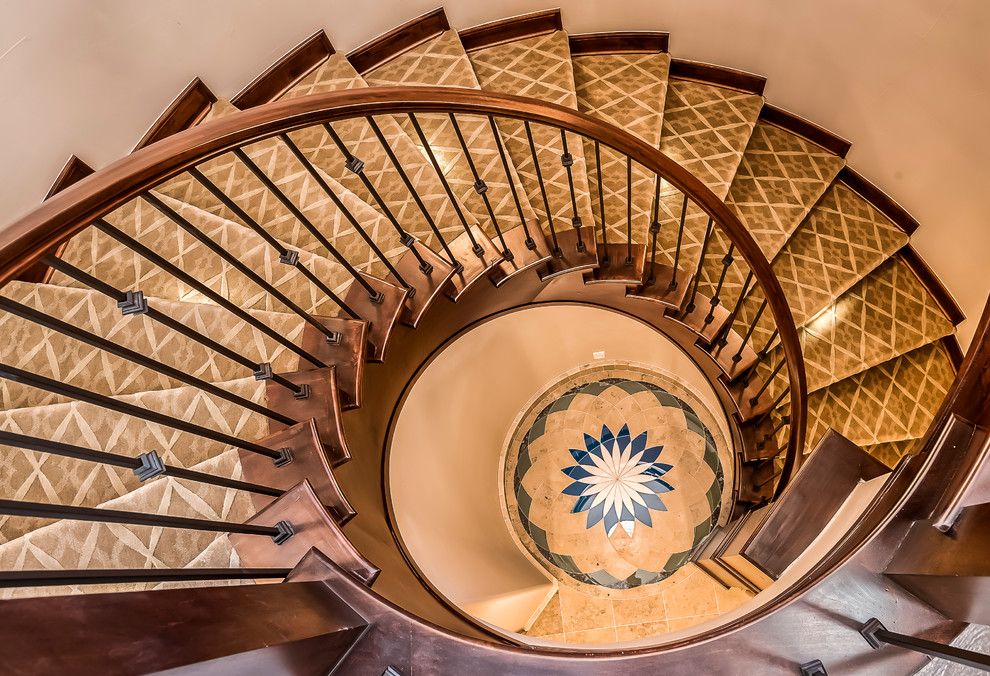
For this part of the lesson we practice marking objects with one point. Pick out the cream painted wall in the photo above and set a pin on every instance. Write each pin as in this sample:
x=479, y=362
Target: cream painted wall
x=443, y=470
x=908, y=81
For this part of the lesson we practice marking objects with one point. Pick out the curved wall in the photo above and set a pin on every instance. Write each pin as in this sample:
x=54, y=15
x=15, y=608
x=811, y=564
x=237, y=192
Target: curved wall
x=449, y=435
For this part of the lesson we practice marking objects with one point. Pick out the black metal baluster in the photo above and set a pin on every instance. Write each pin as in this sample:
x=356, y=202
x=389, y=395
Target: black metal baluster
x=480, y=187
x=601, y=206
x=772, y=477
x=567, y=160
x=134, y=303
x=375, y=249
x=727, y=261
x=690, y=307
x=145, y=466
x=878, y=635
x=104, y=401
x=478, y=250
x=285, y=256
x=458, y=266
x=145, y=361
x=557, y=253
x=755, y=399
x=280, y=532
x=781, y=424
x=721, y=338
x=654, y=233
x=629, y=242
x=374, y=296
x=680, y=239
x=180, y=274
x=769, y=345
x=69, y=577
x=530, y=242
x=737, y=357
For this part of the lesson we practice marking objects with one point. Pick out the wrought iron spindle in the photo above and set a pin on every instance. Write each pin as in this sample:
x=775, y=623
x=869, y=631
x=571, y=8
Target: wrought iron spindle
x=722, y=337
x=755, y=399
x=737, y=357
x=285, y=256
x=530, y=242
x=280, y=532
x=769, y=344
x=202, y=288
x=878, y=635
x=727, y=261
x=690, y=307
x=480, y=187
x=458, y=266
x=145, y=361
x=476, y=248
x=771, y=479
x=781, y=424
x=134, y=303
x=680, y=240
x=145, y=466
x=557, y=253
x=69, y=577
x=373, y=295
x=654, y=232
x=331, y=193
x=629, y=242
x=567, y=160
x=601, y=205
x=103, y=401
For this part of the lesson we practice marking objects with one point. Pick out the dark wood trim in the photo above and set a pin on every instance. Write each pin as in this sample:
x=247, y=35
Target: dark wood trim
x=398, y=40
x=879, y=199
x=951, y=345
x=285, y=72
x=74, y=170
x=720, y=76
x=619, y=42
x=931, y=282
x=805, y=129
x=188, y=108
x=511, y=29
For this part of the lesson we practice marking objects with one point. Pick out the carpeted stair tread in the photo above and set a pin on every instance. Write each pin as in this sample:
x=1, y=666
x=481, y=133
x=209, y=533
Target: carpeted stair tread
x=49, y=353
x=628, y=91
x=892, y=401
x=539, y=67
x=891, y=452
x=42, y=477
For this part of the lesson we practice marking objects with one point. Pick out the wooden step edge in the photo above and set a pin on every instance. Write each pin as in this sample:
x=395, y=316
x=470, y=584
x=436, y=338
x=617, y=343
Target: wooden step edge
x=619, y=42
x=401, y=39
x=571, y=259
x=951, y=345
x=322, y=405
x=738, y=576
x=511, y=29
x=932, y=283
x=806, y=129
x=73, y=171
x=714, y=572
x=719, y=76
x=750, y=570
x=279, y=77
x=186, y=110
x=878, y=199
x=348, y=356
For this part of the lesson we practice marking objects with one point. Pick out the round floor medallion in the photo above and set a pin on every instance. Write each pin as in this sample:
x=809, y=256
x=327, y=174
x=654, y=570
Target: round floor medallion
x=613, y=476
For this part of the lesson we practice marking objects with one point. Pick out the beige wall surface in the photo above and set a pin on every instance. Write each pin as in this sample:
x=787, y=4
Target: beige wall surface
x=444, y=456
x=908, y=81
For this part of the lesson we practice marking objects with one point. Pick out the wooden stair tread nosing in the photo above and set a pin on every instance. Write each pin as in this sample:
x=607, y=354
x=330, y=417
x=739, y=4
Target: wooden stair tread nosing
x=619, y=42
x=312, y=526
x=806, y=129
x=954, y=350
x=189, y=107
x=725, y=355
x=511, y=29
x=381, y=317
x=932, y=283
x=284, y=73
x=695, y=319
x=572, y=259
x=427, y=286
x=347, y=356
x=620, y=268
x=523, y=257
x=751, y=570
x=73, y=171
x=880, y=200
x=753, y=435
x=659, y=290
x=712, y=573
x=475, y=266
x=308, y=462
x=737, y=576
x=401, y=39
x=718, y=76
x=322, y=406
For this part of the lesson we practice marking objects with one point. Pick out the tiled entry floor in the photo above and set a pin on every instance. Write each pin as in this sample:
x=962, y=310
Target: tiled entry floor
x=612, y=476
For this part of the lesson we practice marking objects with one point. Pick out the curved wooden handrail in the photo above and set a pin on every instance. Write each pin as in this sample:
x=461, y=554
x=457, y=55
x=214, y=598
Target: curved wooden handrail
x=29, y=238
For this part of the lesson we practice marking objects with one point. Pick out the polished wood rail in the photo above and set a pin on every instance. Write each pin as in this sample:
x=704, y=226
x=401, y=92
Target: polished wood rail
x=37, y=234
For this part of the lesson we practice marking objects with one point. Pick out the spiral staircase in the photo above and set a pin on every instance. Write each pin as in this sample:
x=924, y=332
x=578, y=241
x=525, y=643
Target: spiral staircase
x=205, y=342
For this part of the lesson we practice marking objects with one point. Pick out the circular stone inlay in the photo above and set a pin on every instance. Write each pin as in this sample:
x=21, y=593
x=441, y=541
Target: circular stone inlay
x=613, y=481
